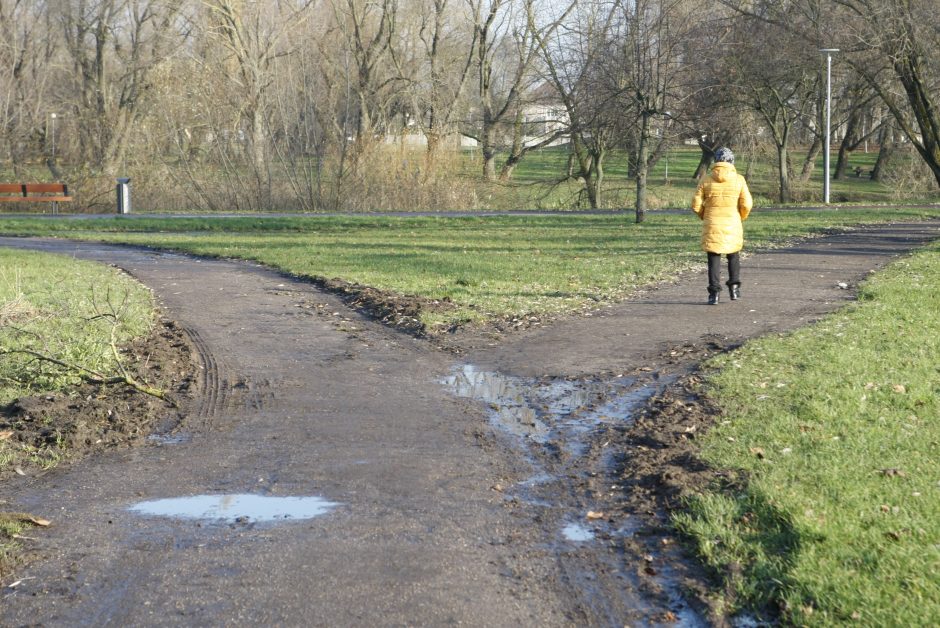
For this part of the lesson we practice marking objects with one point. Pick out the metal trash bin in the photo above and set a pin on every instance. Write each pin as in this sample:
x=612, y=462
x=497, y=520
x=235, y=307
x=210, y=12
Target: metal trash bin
x=124, y=195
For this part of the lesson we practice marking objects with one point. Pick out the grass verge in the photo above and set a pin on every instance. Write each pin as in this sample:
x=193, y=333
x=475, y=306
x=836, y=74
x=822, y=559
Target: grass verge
x=65, y=309
x=57, y=311
x=834, y=433
x=485, y=268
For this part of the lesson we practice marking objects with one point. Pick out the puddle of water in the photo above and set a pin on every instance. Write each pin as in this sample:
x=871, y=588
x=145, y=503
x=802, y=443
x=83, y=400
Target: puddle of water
x=170, y=439
x=577, y=532
x=231, y=508
x=509, y=409
x=563, y=410
x=566, y=416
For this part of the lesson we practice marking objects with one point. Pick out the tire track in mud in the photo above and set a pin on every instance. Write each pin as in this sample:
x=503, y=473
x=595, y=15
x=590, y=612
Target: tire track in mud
x=213, y=393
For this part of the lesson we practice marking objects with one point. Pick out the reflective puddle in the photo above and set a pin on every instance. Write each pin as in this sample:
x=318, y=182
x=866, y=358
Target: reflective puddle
x=562, y=411
x=507, y=398
x=577, y=532
x=170, y=439
x=555, y=423
x=568, y=432
x=236, y=508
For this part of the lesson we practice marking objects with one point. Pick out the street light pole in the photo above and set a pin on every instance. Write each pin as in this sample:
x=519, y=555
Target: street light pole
x=53, y=136
x=828, y=52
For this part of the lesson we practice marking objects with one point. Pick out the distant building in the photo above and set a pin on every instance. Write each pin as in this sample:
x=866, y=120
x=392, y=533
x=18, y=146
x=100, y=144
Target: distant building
x=544, y=115
x=409, y=138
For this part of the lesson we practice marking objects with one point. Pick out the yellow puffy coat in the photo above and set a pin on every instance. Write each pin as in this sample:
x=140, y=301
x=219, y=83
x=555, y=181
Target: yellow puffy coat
x=723, y=201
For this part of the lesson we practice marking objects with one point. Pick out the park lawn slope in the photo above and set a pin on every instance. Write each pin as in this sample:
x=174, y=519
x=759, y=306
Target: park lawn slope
x=833, y=432
x=483, y=268
x=67, y=309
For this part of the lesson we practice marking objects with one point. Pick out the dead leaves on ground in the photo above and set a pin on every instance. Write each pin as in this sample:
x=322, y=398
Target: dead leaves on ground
x=892, y=473
x=23, y=517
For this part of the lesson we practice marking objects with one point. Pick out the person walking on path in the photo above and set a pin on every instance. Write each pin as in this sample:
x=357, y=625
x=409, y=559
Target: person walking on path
x=723, y=202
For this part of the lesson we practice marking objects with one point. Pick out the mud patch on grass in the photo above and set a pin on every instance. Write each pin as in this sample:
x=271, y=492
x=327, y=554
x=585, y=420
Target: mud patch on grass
x=46, y=430
x=659, y=463
x=572, y=434
x=400, y=311
x=657, y=466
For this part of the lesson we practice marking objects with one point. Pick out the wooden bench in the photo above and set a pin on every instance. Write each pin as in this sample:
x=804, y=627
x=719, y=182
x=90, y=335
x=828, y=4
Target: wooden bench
x=54, y=193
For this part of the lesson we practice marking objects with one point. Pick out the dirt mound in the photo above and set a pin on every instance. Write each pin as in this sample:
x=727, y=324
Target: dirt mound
x=50, y=428
x=400, y=311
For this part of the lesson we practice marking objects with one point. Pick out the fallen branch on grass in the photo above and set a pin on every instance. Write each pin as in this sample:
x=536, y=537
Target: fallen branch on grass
x=95, y=377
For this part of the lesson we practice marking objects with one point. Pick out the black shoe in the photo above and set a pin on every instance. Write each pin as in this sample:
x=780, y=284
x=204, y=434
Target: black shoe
x=713, y=299
x=735, y=291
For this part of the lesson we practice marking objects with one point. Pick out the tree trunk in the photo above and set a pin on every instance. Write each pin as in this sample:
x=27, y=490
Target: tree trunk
x=509, y=167
x=842, y=162
x=590, y=169
x=886, y=147
x=782, y=159
x=489, y=162
x=708, y=155
x=642, y=167
x=910, y=69
x=845, y=146
x=432, y=152
x=517, y=149
x=488, y=150
x=809, y=164
x=598, y=178
x=259, y=160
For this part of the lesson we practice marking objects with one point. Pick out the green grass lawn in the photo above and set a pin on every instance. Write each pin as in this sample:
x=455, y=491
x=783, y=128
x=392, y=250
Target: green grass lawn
x=63, y=308
x=491, y=267
x=835, y=430
x=671, y=184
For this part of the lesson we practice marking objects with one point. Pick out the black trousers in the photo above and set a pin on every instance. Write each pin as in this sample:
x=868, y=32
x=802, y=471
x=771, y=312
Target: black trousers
x=714, y=271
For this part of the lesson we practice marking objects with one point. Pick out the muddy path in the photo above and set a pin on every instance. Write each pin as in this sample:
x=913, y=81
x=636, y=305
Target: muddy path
x=424, y=488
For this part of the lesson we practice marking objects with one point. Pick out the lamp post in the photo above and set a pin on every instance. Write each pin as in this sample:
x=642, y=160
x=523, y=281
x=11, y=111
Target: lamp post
x=53, y=116
x=666, y=116
x=829, y=52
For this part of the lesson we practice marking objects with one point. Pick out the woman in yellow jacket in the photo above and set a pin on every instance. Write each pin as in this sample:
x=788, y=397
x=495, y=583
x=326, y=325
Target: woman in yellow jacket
x=723, y=202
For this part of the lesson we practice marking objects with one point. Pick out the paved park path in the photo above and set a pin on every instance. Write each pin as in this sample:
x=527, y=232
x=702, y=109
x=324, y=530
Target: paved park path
x=304, y=398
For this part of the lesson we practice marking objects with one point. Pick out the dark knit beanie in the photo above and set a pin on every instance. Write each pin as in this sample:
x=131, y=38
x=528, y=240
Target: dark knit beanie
x=724, y=154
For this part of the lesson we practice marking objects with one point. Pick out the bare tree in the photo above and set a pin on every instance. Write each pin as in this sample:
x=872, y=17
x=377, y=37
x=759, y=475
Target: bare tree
x=858, y=122
x=905, y=37
x=782, y=91
x=253, y=36
x=894, y=45
x=649, y=42
x=436, y=70
x=114, y=46
x=571, y=56
x=507, y=53
x=369, y=29
x=28, y=72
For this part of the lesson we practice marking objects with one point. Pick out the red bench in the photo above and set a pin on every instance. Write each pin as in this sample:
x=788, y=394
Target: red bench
x=54, y=193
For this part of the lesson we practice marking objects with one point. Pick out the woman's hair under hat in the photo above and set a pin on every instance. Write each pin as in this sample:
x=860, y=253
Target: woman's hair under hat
x=724, y=154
